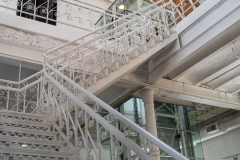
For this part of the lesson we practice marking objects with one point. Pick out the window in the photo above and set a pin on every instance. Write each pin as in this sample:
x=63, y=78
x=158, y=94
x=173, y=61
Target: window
x=40, y=10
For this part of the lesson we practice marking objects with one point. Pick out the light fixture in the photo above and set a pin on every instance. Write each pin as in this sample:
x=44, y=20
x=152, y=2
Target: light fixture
x=121, y=7
x=24, y=145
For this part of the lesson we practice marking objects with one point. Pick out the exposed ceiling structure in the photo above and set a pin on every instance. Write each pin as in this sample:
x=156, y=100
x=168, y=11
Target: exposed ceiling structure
x=201, y=70
x=205, y=112
x=216, y=67
x=218, y=71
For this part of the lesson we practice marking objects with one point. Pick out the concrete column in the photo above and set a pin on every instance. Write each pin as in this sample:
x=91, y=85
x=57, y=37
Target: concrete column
x=148, y=100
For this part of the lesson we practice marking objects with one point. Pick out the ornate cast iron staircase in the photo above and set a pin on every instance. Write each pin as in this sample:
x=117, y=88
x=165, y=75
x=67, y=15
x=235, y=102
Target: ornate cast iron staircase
x=103, y=56
x=48, y=115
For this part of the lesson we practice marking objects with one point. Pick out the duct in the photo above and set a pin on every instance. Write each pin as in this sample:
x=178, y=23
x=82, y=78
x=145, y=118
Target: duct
x=224, y=127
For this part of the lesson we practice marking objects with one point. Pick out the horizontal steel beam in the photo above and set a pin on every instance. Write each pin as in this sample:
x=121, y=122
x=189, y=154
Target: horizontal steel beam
x=172, y=89
x=198, y=41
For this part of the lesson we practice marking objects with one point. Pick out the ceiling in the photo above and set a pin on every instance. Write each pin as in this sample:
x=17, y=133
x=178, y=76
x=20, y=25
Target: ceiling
x=205, y=112
x=218, y=71
x=215, y=66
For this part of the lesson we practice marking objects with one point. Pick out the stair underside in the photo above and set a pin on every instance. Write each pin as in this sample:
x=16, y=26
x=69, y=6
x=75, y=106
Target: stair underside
x=130, y=66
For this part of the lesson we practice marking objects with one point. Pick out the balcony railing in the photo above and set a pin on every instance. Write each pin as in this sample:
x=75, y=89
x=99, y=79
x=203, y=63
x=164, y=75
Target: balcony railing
x=72, y=13
x=21, y=96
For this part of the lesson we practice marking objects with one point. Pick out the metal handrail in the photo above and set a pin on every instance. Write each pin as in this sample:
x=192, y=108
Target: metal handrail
x=105, y=10
x=175, y=154
x=104, y=27
x=21, y=94
x=22, y=81
x=106, y=33
x=81, y=5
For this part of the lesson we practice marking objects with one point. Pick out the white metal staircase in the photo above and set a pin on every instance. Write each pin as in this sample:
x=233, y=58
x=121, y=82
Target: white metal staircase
x=105, y=55
x=48, y=115
x=27, y=136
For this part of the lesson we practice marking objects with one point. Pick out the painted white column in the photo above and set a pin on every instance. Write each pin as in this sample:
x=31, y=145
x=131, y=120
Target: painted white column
x=148, y=100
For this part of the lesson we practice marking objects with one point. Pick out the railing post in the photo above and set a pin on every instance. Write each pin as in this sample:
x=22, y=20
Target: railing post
x=86, y=134
x=98, y=141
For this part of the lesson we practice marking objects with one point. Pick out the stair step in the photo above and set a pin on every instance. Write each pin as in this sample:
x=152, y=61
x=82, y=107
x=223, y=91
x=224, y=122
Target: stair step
x=30, y=117
x=26, y=145
x=24, y=122
x=34, y=152
x=27, y=130
x=31, y=141
x=30, y=133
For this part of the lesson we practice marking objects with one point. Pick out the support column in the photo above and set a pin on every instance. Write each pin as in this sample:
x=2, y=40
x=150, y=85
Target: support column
x=148, y=100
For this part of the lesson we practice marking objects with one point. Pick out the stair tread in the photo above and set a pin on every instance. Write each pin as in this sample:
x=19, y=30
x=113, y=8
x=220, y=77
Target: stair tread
x=24, y=122
x=34, y=152
x=29, y=131
x=30, y=140
x=20, y=114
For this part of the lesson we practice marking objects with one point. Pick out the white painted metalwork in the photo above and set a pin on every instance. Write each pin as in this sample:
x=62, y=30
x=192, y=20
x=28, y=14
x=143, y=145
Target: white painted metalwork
x=29, y=137
x=66, y=12
x=21, y=96
x=111, y=47
x=81, y=119
x=60, y=102
x=98, y=54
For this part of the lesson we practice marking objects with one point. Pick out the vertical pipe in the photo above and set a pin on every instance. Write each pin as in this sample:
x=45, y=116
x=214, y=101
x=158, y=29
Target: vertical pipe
x=181, y=120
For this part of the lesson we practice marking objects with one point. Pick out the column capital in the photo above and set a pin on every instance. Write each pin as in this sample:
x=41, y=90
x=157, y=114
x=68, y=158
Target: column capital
x=147, y=96
x=147, y=91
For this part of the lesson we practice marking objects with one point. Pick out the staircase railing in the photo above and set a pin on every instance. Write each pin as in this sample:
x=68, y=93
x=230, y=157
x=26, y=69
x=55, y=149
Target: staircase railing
x=85, y=121
x=111, y=47
x=82, y=119
x=21, y=96
x=104, y=51
x=72, y=13
x=78, y=119
x=176, y=12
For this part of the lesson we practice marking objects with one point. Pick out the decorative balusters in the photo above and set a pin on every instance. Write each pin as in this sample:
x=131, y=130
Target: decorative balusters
x=82, y=122
x=108, y=50
x=72, y=115
x=21, y=96
x=59, y=12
